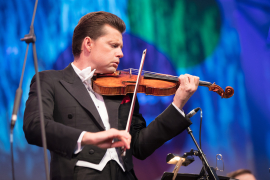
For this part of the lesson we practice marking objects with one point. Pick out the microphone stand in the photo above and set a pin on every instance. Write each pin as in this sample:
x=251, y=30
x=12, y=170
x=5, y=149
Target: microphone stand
x=30, y=38
x=210, y=170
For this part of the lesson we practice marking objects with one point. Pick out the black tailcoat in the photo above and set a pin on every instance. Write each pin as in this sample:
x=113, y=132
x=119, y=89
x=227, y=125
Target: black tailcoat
x=69, y=110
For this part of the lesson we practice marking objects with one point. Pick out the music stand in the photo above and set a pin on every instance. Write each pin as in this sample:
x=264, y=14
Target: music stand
x=186, y=176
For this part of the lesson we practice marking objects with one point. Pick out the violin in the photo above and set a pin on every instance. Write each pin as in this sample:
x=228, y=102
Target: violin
x=123, y=82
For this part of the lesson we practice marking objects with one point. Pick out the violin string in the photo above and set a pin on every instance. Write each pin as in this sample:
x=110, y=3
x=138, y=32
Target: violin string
x=169, y=78
x=154, y=75
x=149, y=72
x=164, y=76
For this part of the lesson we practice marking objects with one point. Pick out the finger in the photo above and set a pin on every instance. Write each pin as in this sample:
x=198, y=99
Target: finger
x=182, y=80
x=122, y=143
x=179, y=79
x=121, y=133
x=186, y=80
x=126, y=141
x=118, y=144
x=189, y=77
x=197, y=80
x=125, y=134
x=123, y=137
x=194, y=80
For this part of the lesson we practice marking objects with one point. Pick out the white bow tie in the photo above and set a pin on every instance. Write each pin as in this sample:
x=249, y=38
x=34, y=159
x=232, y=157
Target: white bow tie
x=86, y=75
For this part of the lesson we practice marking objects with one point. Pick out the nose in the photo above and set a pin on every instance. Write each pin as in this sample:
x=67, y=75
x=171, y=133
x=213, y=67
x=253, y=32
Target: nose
x=120, y=53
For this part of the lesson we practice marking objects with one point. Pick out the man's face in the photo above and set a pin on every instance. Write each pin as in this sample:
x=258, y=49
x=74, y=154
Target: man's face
x=106, y=51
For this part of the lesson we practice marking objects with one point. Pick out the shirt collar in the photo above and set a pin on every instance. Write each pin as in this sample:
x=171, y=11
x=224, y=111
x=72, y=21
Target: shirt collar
x=85, y=74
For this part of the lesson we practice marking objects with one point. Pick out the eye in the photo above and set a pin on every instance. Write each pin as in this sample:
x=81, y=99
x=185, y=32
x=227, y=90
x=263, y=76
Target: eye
x=114, y=45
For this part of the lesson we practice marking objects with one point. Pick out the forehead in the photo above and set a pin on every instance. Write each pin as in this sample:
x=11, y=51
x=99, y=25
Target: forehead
x=111, y=33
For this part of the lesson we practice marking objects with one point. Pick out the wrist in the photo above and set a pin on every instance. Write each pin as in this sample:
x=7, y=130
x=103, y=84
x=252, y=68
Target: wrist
x=87, y=139
x=178, y=103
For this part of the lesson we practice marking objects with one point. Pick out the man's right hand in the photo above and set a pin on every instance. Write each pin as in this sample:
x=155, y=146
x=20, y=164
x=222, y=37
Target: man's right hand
x=104, y=139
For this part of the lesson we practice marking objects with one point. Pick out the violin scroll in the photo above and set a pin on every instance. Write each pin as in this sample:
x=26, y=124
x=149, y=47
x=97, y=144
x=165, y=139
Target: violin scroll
x=229, y=91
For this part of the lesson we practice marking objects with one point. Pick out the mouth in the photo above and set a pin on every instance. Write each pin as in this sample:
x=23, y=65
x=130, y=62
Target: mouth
x=115, y=64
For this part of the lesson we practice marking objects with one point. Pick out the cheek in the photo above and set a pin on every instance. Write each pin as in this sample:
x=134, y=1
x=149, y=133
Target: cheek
x=101, y=59
x=103, y=52
x=102, y=56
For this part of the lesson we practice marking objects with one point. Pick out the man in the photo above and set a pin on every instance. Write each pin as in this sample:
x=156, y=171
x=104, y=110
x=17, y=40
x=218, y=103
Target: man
x=242, y=174
x=80, y=124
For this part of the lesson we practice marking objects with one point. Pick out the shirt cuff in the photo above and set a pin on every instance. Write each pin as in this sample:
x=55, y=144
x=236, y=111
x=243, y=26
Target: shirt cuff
x=180, y=110
x=78, y=147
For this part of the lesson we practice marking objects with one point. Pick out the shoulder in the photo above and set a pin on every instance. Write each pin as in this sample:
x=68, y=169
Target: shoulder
x=48, y=76
x=53, y=74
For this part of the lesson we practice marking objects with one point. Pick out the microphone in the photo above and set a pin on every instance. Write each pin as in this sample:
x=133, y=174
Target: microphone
x=193, y=112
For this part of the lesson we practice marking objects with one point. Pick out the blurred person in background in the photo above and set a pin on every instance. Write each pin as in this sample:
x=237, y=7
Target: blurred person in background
x=242, y=174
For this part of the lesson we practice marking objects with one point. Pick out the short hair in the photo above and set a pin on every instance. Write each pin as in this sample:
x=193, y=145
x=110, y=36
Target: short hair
x=91, y=25
x=238, y=173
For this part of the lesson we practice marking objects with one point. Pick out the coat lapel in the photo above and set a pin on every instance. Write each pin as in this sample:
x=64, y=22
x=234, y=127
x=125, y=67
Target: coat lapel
x=75, y=87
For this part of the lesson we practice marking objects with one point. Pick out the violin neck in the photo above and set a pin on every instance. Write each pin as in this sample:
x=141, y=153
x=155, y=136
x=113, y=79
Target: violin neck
x=161, y=77
x=171, y=78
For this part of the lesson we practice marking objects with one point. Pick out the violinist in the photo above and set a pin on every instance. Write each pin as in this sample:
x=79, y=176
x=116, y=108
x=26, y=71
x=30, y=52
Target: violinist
x=85, y=130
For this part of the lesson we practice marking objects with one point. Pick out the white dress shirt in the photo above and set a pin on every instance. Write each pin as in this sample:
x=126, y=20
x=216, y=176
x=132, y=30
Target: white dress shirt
x=111, y=154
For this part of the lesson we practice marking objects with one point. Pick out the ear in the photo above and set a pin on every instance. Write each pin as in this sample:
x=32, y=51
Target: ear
x=87, y=44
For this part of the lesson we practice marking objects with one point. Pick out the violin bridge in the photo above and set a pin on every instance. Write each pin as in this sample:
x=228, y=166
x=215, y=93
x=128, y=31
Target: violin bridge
x=130, y=73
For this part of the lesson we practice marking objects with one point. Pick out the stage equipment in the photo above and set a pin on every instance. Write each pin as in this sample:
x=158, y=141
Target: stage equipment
x=185, y=176
x=206, y=172
x=185, y=160
x=29, y=38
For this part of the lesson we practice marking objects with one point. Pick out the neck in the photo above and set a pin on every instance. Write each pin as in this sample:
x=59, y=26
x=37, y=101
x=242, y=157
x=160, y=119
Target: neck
x=81, y=63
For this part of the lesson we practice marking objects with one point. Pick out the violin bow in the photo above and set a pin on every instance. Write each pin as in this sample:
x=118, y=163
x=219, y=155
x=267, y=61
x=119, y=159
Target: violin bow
x=134, y=96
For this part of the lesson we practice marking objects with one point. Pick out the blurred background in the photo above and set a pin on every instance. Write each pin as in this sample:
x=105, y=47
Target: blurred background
x=221, y=41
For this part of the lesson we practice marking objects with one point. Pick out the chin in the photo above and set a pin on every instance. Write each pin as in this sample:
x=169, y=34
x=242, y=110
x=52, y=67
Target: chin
x=109, y=70
x=113, y=69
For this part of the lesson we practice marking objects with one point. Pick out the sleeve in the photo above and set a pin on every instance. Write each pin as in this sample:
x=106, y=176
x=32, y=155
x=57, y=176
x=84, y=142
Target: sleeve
x=79, y=146
x=145, y=140
x=61, y=139
x=180, y=110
